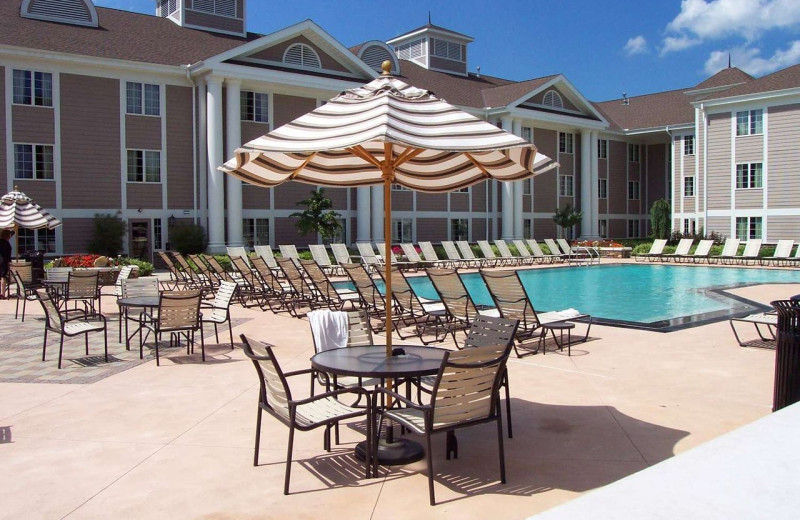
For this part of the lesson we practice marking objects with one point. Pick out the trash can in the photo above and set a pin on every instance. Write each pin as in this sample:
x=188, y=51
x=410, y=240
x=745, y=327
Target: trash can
x=787, y=354
x=36, y=258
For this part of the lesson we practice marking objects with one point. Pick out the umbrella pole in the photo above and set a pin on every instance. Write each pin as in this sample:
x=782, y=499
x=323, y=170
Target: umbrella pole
x=16, y=240
x=387, y=258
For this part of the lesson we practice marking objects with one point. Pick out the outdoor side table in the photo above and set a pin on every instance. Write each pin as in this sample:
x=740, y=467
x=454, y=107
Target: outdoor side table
x=559, y=326
x=371, y=362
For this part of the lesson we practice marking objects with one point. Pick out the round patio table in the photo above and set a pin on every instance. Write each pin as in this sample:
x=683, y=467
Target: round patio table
x=371, y=362
x=135, y=302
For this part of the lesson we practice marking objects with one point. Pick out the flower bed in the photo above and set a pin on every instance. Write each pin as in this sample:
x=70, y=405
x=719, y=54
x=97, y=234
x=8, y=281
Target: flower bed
x=607, y=248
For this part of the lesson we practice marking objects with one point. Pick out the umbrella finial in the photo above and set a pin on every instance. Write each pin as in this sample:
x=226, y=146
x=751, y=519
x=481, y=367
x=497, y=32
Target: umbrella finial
x=386, y=66
x=16, y=188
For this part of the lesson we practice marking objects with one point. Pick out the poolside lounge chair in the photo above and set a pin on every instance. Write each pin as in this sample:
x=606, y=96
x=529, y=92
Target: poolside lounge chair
x=205, y=271
x=537, y=252
x=700, y=254
x=279, y=292
x=430, y=255
x=513, y=302
x=368, y=257
x=326, y=291
x=681, y=251
x=656, y=250
x=581, y=255
x=289, y=251
x=554, y=249
x=413, y=310
x=413, y=256
x=320, y=255
x=505, y=252
x=371, y=298
x=176, y=277
x=461, y=310
x=452, y=255
x=522, y=249
x=750, y=254
x=469, y=256
x=781, y=255
x=248, y=283
x=794, y=259
x=488, y=253
x=240, y=252
x=265, y=252
x=303, y=294
x=341, y=254
x=402, y=265
x=729, y=250
x=768, y=320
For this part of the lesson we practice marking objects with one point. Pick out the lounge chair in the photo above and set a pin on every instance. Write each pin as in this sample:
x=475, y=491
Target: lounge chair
x=371, y=298
x=411, y=254
x=781, y=255
x=522, y=249
x=341, y=254
x=488, y=253
x=768, y=320
x=655, y=253
x=412, y=310
x=505, y=252
x=453, y=255
x=368, y=257
x=430, y=255
x=248, y=283
x=326, y=291
x=240, y=252
x=537, y=252
x=794, y=259
x=579, y=254
x=681, y=251
x=469, y=256
x=265, y=252
x=729, y=250
x=402, y=265
x=750, y=254
x=460, y=308
x=320, y=255
x=513, y=302
x=700, y=254
x=303, y=294
x=289, y=251
x=279, y=292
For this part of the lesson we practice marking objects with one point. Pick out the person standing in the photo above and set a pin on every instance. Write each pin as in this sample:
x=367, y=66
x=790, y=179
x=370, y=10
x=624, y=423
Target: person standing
x=5, y=259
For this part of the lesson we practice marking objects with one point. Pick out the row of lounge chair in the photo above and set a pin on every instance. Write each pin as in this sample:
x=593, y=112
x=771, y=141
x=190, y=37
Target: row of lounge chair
x=782, y=256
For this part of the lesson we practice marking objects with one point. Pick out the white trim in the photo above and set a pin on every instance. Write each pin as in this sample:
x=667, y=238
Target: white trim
x=9, y=95
x=123, y=152
x=751, y=98
x=765, y=168
x=755, y=212
x=732, y=180
x=434, y=31
x=57, y=139
x=164, y=166
x=569, y=92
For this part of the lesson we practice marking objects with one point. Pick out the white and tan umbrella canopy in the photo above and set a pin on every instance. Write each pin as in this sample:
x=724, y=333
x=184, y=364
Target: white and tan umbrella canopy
x=17, y=210
x=434, y=146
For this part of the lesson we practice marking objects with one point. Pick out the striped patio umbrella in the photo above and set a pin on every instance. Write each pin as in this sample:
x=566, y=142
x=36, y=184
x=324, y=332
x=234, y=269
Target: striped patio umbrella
x=384, y=133
x=17, y=210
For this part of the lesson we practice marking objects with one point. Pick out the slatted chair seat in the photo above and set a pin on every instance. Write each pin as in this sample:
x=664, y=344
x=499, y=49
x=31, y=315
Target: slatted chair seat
x=68, y=323
x=179, y=315
x=26, y=290
x=219, y=310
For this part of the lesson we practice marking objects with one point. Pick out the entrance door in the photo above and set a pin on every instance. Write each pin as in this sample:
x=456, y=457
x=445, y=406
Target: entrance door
x=139, y=246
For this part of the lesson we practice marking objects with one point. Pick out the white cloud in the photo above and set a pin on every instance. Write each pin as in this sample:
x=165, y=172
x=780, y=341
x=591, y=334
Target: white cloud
x=749, y=59
x=678, y=43
x=635, y=45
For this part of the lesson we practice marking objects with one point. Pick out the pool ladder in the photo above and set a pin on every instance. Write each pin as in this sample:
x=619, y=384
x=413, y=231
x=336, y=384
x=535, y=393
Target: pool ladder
x=584, y=256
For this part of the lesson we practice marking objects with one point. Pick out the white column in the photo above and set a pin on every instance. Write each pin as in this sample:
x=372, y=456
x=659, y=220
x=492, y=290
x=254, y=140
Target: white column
x=233, y=128
x=363, y=213
x=594, y=188
x=507, y=213
x=518, y=186
x=377, y=213
x=586, y=183
x=216, y=203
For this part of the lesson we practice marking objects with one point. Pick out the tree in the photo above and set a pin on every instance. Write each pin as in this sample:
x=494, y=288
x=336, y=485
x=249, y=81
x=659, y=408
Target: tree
x=109, y=231
x=661, y=219
x=567, y=217
x=318, y=216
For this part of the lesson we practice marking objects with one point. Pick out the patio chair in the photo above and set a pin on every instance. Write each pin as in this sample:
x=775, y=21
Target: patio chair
x=367, y=255
x=469, y=256
x=488, y=253
x=275, y=398
x=466, y=393
x=794, y=259
x=525, y=255
x=781, y=255
x=341, y=254
x=238, y=251
x=326, y=290
x=69, y=323
x=82, y=287
x=175, y=276
x=406, y=266
x=512, y=302
x=537, y=252
x=580, y=255
x=179, y=316
x=289, y=251
x=729, y=250
x=768, y=320
x=684, y=245
x=656, y=250
x=459, y=306
x=430, y=255
x=22, y=276
x=412, y=310
x=219, y=272
x=266, y=254
x=750, y=254
x=302, y=294
x=371, y=298
x=248, y=282
x=132, y=288
x=453, y=256
x=505, y=252
x=411, y=254
x=193, y=278
x=205, y=271
x=218, y=311
x=320, y=255
x=556, y=250
x=278, y=291
x=122, y=277
x=699, y=255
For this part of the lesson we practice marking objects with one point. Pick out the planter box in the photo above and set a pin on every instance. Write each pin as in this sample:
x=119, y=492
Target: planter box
x=615, y=252
x=108, y=275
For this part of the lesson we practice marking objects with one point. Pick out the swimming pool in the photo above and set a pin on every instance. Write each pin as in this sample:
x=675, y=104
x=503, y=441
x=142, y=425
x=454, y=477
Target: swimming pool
x=651, y=296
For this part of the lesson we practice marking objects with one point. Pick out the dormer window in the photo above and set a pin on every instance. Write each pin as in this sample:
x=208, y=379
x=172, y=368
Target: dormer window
x=410, y=50
x=446, y=49
x=552, y=99
x=218, y=7
x=303, y=55
x=374, y=55
x=73, y=12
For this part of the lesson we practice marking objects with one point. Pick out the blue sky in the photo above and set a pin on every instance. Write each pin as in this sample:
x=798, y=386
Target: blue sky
x=603, y=47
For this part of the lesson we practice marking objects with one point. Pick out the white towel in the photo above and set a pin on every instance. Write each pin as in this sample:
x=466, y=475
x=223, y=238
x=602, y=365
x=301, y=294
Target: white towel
x=568, y=313
x=329, y=328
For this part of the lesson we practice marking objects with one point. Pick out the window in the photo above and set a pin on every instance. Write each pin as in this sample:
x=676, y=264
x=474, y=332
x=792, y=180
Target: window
x=633, y=190
x=688, y=186
x=401, y=230
x=459, y=229
x=143, y=98
x=398, y=187
x=410, y=50
x=566, y=142
x=33, y=161
x=144, y=166
x=527, y=133
x=633, y=229
x=33, y=88
x=688, y=145
x=254, y=106
x=750, y=122
x=566, y=186
x=602, y=148
x=446, y=49
x=748, y=227
x=461, y=190
x=602, y=228
x=527, y=186
x=218, y=7
x=602, y=188
x=255, y=231
x=688, y=227
x=749, y=175
x=375, y=55
x=157, y=243
x=552, y=99
x=634, y=152
x=527, y=228
x=36, y=240
x=303, y=55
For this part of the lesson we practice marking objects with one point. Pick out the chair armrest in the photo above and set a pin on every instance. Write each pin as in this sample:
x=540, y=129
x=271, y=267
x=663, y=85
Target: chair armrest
x=394, y=395
x=298, y=372
x=333, y=393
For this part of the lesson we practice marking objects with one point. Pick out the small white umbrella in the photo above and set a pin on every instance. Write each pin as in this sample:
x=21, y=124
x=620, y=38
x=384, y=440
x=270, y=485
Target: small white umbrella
x=387, y=132
x=17, y=210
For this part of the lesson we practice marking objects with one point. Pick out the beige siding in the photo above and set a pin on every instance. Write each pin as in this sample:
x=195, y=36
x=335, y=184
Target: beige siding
x=90, y=152
x=479, y=196
x=287, y=108
x=699, y=149
x=545, y=186
x=3, y=173
x=719, y=161
x=749, y=199
x=617, y=228
x=338, y=196
x=77, y=233
x=431, y=229
x=143, y=132
x=750, y=148
x=180, y=164
x=447, y=65
x=143, y=195
x=44, y=193
x=251, y=130
x=221, y=23
x=32, y=124
x=784, y=228
x=617, y=177
x=677, y=154
x=288, y=194
x=783, y=180
x=539, y=99
x=275, y=53
x=721, y=225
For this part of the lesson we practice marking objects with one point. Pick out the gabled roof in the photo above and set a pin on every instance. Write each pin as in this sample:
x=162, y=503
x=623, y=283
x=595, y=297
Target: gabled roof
x=434, y=28
x=649, y=111
x=459, y=90
x=506, y=94
x=121, y=35
x=788, y=78
x=729, y=76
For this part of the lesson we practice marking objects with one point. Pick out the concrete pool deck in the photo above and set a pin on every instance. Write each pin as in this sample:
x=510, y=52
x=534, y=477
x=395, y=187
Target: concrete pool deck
x=176, y=441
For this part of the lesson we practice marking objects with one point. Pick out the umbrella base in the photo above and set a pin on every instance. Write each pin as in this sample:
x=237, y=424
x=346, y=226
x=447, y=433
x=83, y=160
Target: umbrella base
x=396, y=453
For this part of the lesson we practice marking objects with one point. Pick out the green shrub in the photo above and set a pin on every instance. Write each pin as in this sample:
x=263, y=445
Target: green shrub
x=145, y=268
x=187, y=238
x=109, y=231
x=224, y=261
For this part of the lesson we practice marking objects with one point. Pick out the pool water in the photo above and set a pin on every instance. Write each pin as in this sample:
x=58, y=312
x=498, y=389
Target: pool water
x=646, y=295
